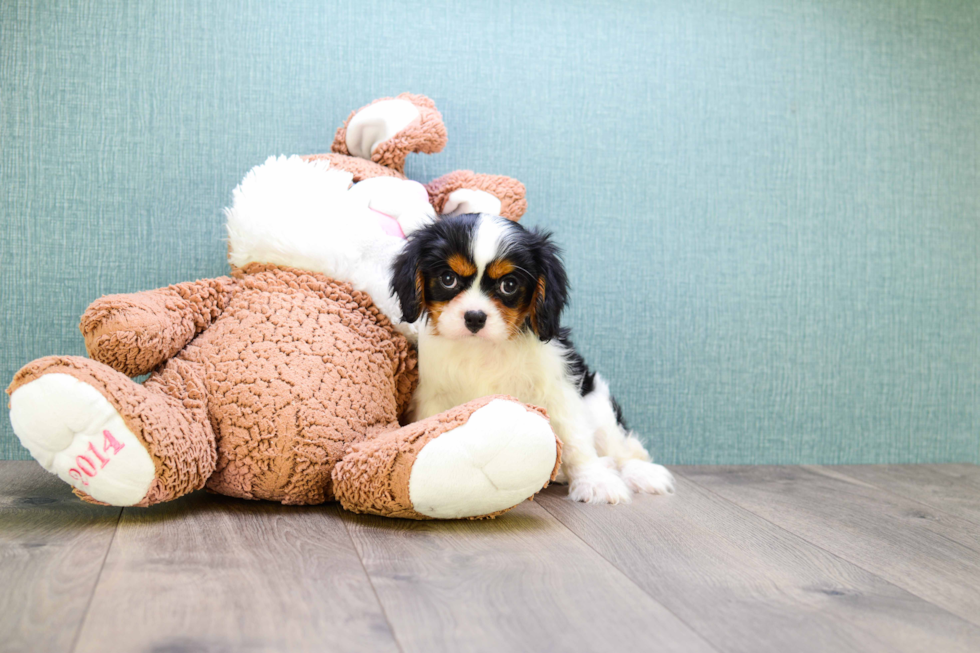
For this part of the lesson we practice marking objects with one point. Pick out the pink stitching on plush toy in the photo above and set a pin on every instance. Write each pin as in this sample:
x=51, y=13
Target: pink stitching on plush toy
x=108, y=442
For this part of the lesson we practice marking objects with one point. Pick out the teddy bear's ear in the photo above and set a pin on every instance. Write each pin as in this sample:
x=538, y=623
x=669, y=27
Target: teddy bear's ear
x=387, y=130
x=465, y=191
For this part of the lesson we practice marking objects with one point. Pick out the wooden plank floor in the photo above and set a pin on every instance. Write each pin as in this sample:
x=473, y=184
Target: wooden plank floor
x=740, y=559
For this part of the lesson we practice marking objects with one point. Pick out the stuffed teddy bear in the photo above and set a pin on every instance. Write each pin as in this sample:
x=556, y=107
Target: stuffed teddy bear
x=286, y=381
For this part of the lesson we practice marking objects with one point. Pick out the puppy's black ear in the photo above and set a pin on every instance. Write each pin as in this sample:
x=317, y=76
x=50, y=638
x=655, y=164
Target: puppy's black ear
x=406, y=279
x=551, y=294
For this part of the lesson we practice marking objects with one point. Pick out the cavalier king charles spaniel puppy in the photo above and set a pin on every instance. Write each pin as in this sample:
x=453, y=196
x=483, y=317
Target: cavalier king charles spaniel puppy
x=491, y=293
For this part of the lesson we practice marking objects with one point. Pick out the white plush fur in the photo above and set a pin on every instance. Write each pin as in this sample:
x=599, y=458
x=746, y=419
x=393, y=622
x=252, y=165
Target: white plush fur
x=501, y=456
x=405, y=200
x=306, y=215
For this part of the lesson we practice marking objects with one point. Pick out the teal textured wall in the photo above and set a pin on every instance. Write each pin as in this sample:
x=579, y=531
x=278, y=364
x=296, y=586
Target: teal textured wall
x=769, y=208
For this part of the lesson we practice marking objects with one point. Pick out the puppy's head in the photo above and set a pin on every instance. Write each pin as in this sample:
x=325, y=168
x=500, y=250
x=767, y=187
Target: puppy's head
x=481, y=276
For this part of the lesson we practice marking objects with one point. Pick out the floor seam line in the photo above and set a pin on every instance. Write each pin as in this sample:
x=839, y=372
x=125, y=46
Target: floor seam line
x=374, y=590
x=631, y=581
x=95, y=585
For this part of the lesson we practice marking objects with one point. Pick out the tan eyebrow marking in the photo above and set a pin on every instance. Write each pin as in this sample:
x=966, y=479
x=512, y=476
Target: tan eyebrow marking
x=499, y=268
x=461, y=266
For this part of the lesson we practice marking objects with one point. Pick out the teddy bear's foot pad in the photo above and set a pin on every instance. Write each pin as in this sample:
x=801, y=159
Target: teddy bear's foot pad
x=503, y=455
x=74, y=432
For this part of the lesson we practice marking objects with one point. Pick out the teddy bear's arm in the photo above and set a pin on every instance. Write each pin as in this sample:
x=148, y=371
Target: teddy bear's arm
x=465, y=191
x=134, y=333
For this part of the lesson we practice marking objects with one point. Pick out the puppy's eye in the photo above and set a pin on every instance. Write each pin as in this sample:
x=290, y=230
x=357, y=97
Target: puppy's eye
x=449, y=280
x=507, y=286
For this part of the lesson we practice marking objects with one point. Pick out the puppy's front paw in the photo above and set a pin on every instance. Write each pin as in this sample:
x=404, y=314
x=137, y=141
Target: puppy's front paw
x=646, y=477
x=597, y=483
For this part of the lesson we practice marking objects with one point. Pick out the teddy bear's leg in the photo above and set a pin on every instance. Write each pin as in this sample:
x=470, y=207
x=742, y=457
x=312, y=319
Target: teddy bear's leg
x=115, y=441
x=465, y=191
x=476, y=460
x=387, y=130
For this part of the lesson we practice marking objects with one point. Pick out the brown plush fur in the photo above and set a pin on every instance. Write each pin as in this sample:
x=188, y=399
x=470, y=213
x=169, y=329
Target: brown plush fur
x=361, y=168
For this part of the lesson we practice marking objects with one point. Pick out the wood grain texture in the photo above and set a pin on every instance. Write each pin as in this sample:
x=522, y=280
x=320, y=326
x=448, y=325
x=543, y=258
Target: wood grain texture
x=52, y=547
x=748, y=586
x=209, y=573
x=928, y=552
x=522, y=582
x=741, y=559
x=951, y=488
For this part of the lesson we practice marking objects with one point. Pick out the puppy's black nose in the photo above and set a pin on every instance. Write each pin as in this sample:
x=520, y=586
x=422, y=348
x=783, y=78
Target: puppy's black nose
x=475, y=320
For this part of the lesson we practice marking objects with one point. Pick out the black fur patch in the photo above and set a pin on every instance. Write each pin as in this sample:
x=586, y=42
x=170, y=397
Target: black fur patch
x=619, y=413
x=582, y=376
x=550, y=269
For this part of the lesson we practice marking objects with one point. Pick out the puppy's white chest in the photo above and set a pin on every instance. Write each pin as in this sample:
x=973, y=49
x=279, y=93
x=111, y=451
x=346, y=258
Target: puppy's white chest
x=453, y=372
